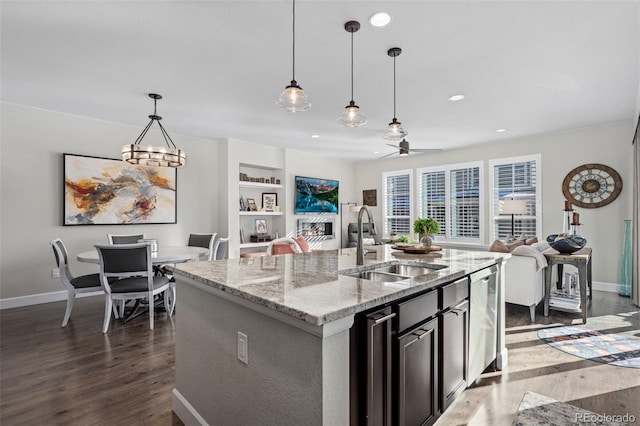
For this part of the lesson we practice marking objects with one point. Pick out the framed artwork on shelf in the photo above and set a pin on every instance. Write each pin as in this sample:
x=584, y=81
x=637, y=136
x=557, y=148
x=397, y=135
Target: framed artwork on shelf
x=261, y=226
x=269, y=201
x=251, y=203
x=106, y=191
x=243, y=207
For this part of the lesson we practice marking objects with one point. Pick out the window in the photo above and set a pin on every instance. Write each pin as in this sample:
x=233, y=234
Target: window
x=515, y=179
x=396, y=188
x=452, y=195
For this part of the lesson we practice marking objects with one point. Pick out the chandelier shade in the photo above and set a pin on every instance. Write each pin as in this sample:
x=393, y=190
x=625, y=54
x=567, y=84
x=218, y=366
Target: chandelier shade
x=151, y=155
x=293, y=98
x=352, y=116
x=395, y=131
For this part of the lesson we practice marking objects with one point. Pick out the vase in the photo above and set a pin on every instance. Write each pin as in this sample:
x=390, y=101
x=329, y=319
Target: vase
x=426, y=241
x=625, y=262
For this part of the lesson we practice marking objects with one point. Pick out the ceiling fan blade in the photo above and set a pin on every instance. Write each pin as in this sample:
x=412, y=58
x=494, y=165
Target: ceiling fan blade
x=425, y=150
x=388, y=155
x=394, y=146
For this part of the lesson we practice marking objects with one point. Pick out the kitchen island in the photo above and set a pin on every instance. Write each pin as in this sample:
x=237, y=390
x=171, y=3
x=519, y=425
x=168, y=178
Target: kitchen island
x=289, y=318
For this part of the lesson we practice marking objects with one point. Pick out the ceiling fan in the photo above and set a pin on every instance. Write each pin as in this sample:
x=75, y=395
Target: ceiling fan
x=403, y=149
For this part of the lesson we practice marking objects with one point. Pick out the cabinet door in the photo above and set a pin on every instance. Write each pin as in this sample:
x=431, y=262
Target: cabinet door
x=453, y=346
x=417, y=388
x=378, y=376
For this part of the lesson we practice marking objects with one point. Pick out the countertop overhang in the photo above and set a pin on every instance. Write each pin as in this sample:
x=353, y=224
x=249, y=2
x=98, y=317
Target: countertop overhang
x=312, y=286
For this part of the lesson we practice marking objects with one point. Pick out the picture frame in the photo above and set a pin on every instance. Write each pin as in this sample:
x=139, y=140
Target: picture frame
x=251, y=203
x=269, y=201
x=107, y=191
x=369, y=197
x=243, y=207
x=261, y=226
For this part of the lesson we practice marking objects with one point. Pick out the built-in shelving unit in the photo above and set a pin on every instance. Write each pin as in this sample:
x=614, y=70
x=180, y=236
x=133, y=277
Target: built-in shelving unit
x=274, y=220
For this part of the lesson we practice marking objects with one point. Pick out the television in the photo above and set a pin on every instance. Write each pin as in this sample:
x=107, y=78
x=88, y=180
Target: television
x=316, y=195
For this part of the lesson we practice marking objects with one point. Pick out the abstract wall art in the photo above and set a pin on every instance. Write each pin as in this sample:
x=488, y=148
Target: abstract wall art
x=103, y=191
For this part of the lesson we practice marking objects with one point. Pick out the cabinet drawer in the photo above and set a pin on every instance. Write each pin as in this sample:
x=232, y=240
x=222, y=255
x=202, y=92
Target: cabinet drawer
x=417, y=309
x=454, y=292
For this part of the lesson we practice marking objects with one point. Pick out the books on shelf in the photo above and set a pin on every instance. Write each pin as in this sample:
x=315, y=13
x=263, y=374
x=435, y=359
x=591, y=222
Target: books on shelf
x=564, y=301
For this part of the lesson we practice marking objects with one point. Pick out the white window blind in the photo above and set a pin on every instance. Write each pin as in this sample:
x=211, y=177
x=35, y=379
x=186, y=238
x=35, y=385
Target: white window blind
x=452, y=195
x=397, y=202
x=432, y=190
x=516, y=179
x=465, y=203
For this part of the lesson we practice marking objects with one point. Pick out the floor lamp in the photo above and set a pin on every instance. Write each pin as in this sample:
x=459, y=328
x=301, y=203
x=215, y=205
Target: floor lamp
x=353, y=208
x=513, y=207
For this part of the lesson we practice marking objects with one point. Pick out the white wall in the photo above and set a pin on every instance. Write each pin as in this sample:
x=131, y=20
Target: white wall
x=608, y=144
x=31, y=192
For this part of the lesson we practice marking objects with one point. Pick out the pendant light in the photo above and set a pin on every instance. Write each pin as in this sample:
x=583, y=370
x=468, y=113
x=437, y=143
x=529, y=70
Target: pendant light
x=395, y=131
x=149, y=155
x=293, y=99
x=352, y=116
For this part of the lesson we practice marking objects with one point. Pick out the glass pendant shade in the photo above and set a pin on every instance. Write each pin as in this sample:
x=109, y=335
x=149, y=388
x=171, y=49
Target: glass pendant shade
x=395, y=131
x=150, y=155
x=293, y=98
x=352, y=116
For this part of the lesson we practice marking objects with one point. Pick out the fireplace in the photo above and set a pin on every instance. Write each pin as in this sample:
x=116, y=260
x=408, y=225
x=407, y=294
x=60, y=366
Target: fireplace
x=316, y=229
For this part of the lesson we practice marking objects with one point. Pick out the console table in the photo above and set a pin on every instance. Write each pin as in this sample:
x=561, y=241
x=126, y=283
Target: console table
x=581, y=260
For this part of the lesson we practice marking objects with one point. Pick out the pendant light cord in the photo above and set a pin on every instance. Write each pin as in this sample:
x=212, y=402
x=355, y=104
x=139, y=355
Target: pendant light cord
x=394, y=87
x=351, y=66
x=294, y=41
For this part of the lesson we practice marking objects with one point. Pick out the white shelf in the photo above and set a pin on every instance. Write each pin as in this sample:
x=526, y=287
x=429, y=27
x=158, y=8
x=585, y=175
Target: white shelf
x=251, y=245
x=260, y=213
x=259, y=185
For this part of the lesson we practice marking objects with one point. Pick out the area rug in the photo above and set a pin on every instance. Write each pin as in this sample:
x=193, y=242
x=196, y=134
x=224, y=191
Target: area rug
x=540, y=410
x=612, y=349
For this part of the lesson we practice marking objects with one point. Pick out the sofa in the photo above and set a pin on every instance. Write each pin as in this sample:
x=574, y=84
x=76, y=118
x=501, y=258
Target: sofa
x=524, y=272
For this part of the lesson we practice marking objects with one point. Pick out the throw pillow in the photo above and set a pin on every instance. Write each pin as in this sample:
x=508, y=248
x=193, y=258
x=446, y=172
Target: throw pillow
x=304, y=245
x=515, y=244
x=531, y=240
x=499, y=247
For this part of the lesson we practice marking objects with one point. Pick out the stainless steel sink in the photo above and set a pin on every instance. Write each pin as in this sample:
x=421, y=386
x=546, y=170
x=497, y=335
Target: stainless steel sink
x=410, y=270
x=378, y=276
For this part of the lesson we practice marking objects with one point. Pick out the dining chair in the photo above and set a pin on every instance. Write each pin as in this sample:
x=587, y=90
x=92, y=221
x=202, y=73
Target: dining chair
x=125, y=238
x=203, y=240
x=131, y=266
x=220, y=248
x=75, y=285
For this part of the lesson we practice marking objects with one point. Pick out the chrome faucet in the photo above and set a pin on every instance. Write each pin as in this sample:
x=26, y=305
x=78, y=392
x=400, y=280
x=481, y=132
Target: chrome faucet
x=372, y=231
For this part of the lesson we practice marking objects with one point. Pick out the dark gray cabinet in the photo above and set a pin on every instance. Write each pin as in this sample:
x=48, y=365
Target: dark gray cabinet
x=417, y=375
x=371, y=369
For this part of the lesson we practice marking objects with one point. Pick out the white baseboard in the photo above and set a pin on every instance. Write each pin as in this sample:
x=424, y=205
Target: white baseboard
x=36, y=299
x=185, y=411
x=611, y=287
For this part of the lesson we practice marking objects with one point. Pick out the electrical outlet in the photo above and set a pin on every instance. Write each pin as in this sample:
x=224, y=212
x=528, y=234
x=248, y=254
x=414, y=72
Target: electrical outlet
x=243, y=348
x=55, y=273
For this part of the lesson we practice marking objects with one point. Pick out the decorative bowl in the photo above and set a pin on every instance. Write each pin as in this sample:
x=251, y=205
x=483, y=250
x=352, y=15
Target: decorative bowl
x=567, y=245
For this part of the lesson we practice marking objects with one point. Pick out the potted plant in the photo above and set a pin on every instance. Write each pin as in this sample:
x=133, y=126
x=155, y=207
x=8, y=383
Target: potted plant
x=425, y=228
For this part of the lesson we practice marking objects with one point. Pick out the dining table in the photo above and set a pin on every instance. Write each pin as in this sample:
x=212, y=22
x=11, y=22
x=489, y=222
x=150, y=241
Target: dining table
x=165, y=255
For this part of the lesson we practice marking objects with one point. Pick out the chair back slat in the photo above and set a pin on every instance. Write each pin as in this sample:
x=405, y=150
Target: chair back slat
x=125, y=239
x=125, y=259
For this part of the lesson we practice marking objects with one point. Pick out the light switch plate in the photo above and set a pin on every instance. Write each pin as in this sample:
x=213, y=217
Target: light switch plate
x=243, y=348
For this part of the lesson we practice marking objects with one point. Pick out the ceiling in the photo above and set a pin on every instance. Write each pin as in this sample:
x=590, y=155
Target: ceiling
x=529, y=67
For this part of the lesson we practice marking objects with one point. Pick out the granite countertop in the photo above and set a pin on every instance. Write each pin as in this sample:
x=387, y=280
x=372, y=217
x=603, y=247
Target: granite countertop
x=308, y=286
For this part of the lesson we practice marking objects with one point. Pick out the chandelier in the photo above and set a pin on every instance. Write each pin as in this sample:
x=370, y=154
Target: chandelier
x=150, y=155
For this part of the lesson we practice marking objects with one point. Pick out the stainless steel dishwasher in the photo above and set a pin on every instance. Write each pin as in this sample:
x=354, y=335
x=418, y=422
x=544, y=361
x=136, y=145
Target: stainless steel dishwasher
x=483, y=320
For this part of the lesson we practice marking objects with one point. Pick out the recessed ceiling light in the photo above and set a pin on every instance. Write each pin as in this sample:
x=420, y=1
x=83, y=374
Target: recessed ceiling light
x=376, y=152
x=315, y=136
x=501, y=130
x=380, y=19
x=456, y=98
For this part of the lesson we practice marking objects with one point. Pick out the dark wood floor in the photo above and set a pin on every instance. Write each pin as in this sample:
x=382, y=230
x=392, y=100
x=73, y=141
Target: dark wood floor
x=79, y=376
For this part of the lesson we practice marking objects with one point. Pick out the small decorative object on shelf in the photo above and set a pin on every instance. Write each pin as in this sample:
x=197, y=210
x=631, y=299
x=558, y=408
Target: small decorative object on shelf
x=426, y=228
x=566, y=244
x=260, y=238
